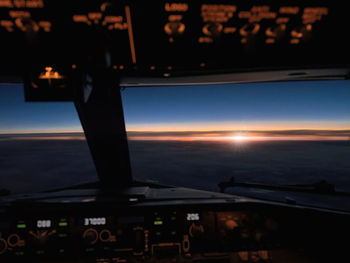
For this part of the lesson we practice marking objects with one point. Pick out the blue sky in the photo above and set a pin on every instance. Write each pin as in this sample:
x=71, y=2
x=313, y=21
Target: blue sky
x=18, y=116
x=300, y=104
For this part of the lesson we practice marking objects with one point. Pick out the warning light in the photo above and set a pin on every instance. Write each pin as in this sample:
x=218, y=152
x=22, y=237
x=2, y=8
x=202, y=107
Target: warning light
x=63, y=224
x=158, y=222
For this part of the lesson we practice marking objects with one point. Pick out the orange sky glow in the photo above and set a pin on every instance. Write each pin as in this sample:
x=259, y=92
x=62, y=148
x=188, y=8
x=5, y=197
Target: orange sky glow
x=236, y=132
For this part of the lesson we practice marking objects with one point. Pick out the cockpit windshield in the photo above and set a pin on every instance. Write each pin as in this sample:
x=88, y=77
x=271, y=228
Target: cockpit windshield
x=193, y=136
x=277, y=133
x=42, y=145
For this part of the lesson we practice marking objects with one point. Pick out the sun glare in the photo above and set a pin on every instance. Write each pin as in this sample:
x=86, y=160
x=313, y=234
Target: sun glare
x=238, y=138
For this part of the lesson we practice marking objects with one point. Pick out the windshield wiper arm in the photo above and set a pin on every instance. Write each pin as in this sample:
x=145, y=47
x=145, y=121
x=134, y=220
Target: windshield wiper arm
x=321, y=187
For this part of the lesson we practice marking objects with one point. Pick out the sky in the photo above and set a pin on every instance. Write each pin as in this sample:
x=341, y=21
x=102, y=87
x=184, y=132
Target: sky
x=268, y=111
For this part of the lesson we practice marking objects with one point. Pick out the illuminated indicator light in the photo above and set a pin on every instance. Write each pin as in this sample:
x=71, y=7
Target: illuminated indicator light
x=295, y=41
x=74, y=66
x=170, y=67
x=171, y=40
x=21, y=226
x=115, y=67
x=202, y=65
x=50, y=74
x=63, y=224
x=309, y=27
x=244, y=40
x=270, y=41
x=121, y=66
x=166, y=75
x=152, y=67
x=158, y=222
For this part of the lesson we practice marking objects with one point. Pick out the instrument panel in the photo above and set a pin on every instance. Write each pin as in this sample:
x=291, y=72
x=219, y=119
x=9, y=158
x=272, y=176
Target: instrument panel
x=167, y=37
x=155, y=235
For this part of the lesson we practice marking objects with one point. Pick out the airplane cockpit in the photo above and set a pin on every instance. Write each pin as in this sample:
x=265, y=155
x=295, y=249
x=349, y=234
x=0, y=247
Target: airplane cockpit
x=89, y=53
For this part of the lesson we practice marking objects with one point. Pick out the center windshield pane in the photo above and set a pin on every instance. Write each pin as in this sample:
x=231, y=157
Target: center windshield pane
x=271, y=133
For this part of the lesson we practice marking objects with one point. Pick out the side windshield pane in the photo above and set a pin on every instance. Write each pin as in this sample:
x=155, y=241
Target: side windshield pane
x=42, y=145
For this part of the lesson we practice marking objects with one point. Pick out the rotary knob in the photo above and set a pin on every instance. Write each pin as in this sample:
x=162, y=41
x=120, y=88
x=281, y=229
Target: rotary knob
x=3, y=246
x=213, y=29
x=196, y=230
x=174, y=28
x=90, y=236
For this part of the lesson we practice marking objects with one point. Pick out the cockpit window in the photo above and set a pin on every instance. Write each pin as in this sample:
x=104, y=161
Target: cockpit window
x=42, y=145
x=272, y=133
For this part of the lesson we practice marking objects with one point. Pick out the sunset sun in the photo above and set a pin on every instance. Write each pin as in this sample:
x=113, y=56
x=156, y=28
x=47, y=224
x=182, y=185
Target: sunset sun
x=239, y=138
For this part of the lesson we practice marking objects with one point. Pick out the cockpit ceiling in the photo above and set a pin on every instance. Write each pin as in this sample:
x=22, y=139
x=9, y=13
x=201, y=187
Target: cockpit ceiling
x=164, y=38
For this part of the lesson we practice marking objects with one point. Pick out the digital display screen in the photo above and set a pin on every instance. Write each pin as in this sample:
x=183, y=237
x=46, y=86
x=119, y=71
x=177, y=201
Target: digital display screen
x=94, y=221
x=43, y=223
x=192, y=217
